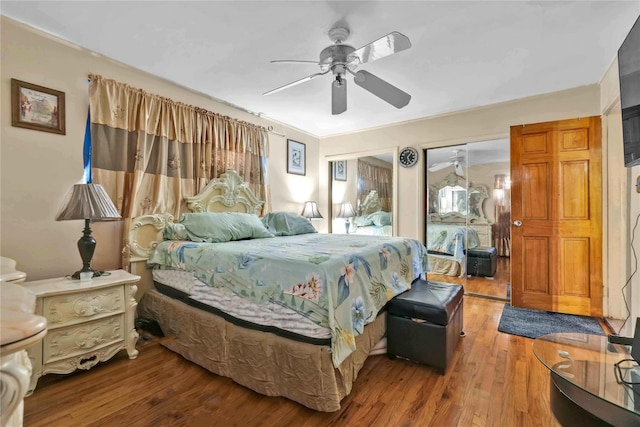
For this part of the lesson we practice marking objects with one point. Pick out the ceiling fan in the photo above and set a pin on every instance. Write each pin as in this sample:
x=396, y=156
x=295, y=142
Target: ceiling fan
x=458, y=161
x=340, y=59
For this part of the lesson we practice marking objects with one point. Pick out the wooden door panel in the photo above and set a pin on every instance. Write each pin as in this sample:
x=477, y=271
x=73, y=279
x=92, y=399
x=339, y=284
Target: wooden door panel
x=536, y=277
x=557, y=194
x=535, y=143
x=575, y=254
x=574, y=139
x=535, y=188
x=574, y=190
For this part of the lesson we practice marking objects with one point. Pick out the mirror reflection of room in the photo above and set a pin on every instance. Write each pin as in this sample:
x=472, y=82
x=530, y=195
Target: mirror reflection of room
x=468, y=216
x=362, y=195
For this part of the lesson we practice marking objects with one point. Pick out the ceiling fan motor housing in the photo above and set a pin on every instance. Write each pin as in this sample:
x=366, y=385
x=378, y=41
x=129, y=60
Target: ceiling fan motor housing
x=336, y=55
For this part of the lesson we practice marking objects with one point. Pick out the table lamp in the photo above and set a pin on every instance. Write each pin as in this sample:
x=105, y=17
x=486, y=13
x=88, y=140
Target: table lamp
x=310, y=211
x=346, y=211
x=88, y=202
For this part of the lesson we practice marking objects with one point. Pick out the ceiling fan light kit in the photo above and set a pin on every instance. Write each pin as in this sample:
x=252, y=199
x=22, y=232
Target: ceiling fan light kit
x=341, y=59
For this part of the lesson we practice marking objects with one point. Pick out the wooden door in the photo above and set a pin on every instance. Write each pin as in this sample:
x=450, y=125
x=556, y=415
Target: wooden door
x=556, y=258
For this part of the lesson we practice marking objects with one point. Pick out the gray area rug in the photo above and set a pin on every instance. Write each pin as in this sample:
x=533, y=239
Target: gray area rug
x=534, y=323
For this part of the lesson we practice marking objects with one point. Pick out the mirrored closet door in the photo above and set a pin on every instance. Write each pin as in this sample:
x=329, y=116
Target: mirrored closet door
x=362, y=195
x=468, y=216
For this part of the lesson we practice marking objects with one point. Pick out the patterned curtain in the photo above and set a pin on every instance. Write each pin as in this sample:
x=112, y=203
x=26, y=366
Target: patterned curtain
x=375, y=177
x=501, y=229
x=150, y=152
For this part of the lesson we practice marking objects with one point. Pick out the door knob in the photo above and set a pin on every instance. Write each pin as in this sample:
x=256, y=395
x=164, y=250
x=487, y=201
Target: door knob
x=517, y=223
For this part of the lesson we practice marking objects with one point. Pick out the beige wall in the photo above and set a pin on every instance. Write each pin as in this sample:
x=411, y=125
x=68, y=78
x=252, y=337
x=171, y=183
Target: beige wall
x=622, y=207
x=37, y=168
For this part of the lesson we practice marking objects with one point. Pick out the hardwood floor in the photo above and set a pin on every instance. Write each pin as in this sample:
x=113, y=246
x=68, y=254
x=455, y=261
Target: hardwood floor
x=494, y=380
x=495, y=287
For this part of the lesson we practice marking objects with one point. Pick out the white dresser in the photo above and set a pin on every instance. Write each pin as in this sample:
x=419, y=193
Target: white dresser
x=484, y=233
x=89, y=322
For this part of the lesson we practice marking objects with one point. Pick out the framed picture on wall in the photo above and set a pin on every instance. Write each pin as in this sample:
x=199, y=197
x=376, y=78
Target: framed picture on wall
x=37, y=107
x=296, y=157
x=340, y=170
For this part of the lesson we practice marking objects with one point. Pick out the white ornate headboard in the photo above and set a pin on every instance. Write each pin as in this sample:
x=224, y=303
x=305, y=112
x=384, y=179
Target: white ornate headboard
x=370, y=204
x=225, y=194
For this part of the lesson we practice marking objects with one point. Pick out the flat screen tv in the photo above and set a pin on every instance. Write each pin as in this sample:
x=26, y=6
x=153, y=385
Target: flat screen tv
x=629, y=69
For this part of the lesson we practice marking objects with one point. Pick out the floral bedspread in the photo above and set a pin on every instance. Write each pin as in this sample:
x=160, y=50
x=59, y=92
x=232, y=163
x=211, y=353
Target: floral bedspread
x=338, y=281
x=451, y=239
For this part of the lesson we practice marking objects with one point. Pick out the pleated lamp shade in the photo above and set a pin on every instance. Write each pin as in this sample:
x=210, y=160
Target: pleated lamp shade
x=310, y=211
x=87, y=201
x=346, y=211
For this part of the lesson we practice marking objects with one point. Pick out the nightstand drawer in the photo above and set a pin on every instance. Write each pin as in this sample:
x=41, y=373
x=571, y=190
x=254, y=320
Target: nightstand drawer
x=71, y=309
x=76, y=340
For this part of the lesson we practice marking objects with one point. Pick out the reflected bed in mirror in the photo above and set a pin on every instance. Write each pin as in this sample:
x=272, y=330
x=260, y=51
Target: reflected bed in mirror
x=456, y=223
x=372, y=219
x=483, y=163
x=369, y=189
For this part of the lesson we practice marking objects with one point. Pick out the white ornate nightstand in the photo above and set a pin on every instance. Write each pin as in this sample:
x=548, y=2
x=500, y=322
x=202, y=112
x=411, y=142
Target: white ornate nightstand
x=89, y=322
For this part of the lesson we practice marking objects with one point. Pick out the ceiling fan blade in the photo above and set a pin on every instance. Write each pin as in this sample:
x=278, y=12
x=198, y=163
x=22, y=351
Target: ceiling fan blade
x=297, y=82
x=382, y=89
x=458, y=168
x=393, y=42
x=338, y=96
x=294, y=61
x=438, y=166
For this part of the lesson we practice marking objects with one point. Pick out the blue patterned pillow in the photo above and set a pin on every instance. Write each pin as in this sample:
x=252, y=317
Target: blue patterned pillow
x=380, y=218
x=287, y=224
x=223, y=227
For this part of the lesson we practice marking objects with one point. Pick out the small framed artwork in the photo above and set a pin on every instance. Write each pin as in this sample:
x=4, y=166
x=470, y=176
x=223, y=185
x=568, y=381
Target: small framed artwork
x=37, y=107
x=340, y=170
x=296, y=157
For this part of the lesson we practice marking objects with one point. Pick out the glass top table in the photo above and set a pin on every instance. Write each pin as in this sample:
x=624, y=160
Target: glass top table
x=585, y=366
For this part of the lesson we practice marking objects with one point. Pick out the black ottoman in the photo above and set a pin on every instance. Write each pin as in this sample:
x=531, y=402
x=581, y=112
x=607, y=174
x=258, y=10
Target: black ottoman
x=482, y=261
x=425, y=323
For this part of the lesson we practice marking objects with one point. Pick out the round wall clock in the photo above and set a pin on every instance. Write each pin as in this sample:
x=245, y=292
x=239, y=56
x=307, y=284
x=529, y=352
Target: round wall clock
x=408, y=157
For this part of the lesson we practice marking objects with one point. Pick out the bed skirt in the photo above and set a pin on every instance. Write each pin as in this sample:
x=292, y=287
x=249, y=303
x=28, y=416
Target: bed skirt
x=264, y=362
x=446, y=265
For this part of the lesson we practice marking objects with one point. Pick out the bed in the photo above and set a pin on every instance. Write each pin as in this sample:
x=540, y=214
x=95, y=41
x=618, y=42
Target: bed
x=291, y=315
x=447, y=244
x=371, y=219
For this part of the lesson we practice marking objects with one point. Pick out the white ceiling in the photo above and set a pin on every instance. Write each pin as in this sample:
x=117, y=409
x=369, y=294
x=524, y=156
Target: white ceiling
x=463, y=54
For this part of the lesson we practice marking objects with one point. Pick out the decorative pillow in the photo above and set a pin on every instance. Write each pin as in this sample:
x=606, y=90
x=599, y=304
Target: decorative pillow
x=175, y=232
x=223, y=227
x=287, y=224
x=362, y=221
x=380, y=218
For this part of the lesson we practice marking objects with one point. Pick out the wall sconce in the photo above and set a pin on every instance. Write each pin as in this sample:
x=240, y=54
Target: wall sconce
x=346, y=211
